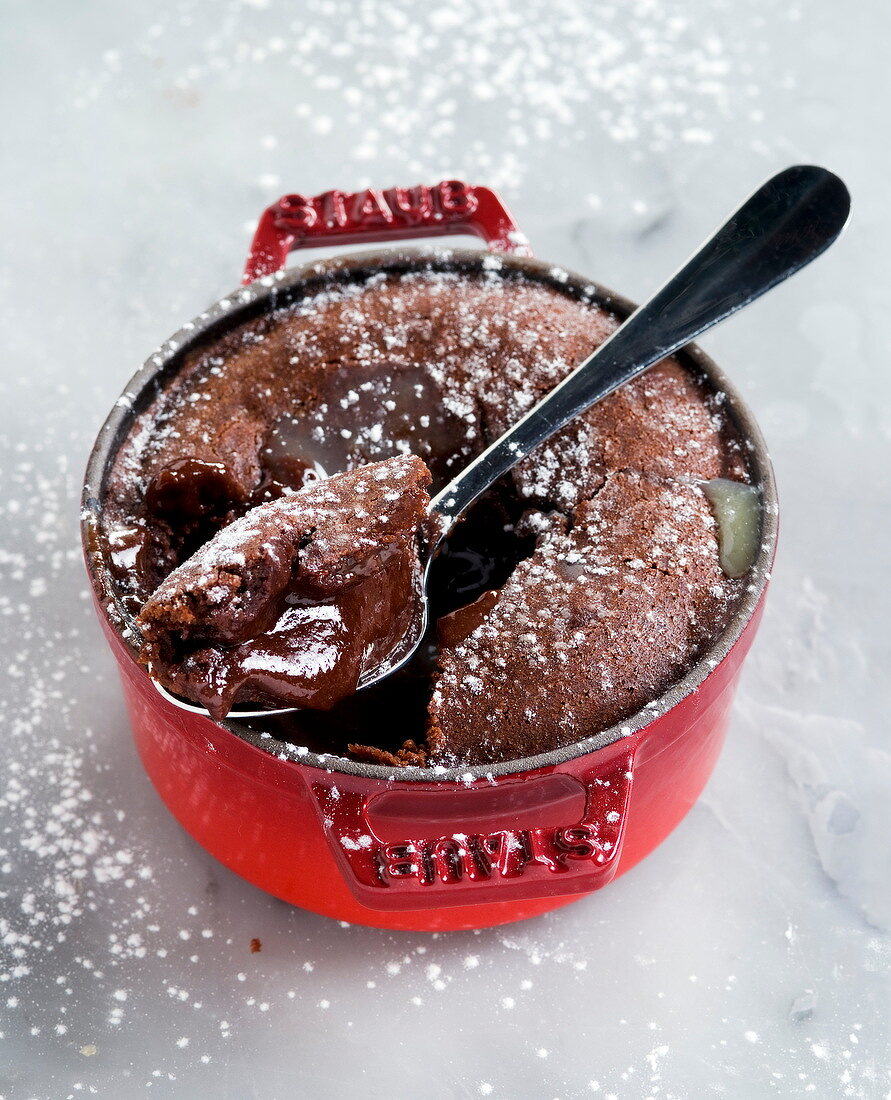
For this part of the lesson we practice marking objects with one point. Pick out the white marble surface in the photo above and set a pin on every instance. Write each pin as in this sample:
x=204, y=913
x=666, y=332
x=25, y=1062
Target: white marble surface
x=750, y=956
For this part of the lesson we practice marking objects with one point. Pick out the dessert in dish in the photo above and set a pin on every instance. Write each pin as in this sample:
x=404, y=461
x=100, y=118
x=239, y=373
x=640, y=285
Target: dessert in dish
x=582, y=586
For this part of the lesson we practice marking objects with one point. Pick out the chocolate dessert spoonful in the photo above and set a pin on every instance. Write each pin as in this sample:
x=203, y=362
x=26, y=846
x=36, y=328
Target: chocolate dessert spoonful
x=307, y=599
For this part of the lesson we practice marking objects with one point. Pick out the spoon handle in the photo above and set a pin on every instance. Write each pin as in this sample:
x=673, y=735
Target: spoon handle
x=787, y=222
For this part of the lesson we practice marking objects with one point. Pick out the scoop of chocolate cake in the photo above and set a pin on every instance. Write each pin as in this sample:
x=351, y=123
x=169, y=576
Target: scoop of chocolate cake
x=292, y=602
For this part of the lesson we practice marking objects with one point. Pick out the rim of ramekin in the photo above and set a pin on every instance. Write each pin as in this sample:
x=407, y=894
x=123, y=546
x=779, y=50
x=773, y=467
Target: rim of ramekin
x=283, y=288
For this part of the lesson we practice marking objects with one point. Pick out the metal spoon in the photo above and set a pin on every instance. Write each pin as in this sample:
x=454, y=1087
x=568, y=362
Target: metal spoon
x=789, y=221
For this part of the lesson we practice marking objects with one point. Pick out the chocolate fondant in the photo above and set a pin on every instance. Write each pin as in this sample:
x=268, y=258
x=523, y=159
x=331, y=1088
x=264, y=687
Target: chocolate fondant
x=579, y=588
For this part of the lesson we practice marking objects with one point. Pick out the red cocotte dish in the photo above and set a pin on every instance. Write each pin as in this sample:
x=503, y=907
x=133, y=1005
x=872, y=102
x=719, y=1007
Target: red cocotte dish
x=457, y=839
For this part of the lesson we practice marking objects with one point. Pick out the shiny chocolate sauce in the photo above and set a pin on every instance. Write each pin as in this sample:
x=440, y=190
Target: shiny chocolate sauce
x=379, y=416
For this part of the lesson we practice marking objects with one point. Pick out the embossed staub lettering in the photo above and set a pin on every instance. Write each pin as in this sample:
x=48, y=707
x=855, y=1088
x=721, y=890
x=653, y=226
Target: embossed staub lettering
x=504, y=854
x=449, y=200
x=566, y=839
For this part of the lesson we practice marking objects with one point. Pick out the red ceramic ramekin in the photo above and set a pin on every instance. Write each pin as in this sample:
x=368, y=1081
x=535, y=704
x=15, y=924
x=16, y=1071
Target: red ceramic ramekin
x=419, y=848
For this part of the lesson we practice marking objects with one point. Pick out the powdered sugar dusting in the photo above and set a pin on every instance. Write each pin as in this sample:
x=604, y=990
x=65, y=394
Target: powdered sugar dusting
x=190, y=116
x=634, y=74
